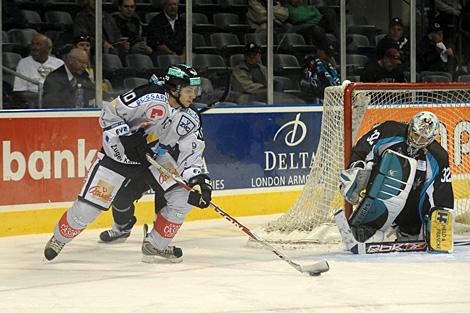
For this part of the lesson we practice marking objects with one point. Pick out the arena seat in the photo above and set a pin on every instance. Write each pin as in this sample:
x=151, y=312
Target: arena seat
x=200, y=45
x=133, y=82
x=226, y=43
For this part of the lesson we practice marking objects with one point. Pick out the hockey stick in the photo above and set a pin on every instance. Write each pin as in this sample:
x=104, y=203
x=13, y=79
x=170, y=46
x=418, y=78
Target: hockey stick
x=380, y=247
x=397, y=246
x=313, y=269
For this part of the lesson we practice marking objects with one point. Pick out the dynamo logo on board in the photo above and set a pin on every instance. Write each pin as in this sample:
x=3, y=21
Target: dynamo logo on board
x=297, y=133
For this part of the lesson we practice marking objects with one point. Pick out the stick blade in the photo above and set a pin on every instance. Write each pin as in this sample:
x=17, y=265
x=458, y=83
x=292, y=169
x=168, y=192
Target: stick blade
x=315, y=269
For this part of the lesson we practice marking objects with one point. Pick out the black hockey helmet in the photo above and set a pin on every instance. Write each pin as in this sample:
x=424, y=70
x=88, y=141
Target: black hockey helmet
x=181, y=75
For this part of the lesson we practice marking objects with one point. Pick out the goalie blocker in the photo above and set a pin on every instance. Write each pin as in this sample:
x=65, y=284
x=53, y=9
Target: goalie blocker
x=439, y=230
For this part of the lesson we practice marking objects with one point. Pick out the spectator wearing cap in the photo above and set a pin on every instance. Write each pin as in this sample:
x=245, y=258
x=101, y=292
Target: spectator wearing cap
x=447, y=14
x=318, y=73
x=395, y=39
x=130, y=26
x=84, y=42
x=250, y=76
x=385, y=70
x=432, y=54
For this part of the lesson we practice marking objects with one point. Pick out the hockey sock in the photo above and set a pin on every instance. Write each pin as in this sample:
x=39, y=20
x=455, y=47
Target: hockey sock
x=124, y=217
x=74, y=221
x=163, y=232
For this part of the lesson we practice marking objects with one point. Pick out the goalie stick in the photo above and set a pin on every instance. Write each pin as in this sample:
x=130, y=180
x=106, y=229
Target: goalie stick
x=313, y=269
x=380, y=247
x=397, y=246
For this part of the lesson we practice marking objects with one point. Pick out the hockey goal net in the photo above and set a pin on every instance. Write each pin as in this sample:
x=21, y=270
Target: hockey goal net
x=351, y=110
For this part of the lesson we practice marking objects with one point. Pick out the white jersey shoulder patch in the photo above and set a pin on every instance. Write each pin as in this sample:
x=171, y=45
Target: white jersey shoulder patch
x=186, y=125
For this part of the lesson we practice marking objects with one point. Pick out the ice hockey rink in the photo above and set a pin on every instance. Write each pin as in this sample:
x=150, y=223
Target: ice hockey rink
x=221, y=274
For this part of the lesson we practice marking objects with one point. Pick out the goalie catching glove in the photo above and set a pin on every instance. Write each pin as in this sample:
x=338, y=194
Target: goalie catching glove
x=201, y=196
x=354, y=180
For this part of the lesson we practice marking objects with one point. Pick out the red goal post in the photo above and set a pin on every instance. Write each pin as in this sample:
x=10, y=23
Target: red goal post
x=349, y=111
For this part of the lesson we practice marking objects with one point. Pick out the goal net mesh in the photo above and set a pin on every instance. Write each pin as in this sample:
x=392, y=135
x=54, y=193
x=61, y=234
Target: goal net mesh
x=310, y=219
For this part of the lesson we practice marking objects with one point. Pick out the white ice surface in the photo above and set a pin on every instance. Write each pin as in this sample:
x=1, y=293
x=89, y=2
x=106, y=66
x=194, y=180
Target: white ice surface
x=220, y=274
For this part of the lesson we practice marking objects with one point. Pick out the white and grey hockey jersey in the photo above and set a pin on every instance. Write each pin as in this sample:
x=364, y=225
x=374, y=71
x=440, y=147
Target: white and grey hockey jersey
x=147, y=107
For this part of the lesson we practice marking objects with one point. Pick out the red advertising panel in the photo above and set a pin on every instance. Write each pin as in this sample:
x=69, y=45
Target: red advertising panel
x=45, y=159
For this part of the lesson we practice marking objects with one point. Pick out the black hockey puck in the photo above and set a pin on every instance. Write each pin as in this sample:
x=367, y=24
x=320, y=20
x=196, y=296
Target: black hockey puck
x=314, y=273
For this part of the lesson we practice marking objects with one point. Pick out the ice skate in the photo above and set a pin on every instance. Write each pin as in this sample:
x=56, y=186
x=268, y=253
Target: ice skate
x=170, y=254
x=117, y=234
x=53, y=248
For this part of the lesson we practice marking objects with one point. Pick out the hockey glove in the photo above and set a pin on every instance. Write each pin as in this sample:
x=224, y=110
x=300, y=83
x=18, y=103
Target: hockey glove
x=354, y=180
x=201, y=196
x=135, y=147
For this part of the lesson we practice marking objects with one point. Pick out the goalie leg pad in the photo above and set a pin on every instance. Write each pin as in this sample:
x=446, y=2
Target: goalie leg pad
x=386, y=195
x=439, y=230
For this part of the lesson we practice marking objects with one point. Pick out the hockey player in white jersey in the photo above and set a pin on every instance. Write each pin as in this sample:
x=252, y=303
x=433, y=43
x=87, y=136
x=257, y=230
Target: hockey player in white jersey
x=398, y=176
x=152, y=119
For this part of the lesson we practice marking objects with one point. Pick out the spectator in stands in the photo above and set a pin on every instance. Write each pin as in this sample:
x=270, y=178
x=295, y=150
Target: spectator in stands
x=84, y=23
x=385, y=70
x=36, y=66
x=84, y=42
x=319, y=72
x=395, y=39
x=69, y=86
x=432, y=54
x=447, y=14
x=307, y=20
x=257, y=15
x=130, y=26
x=166, y=31
x=250, y=76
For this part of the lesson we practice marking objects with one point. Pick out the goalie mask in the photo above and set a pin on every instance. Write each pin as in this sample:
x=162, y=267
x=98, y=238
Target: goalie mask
x=423, y=129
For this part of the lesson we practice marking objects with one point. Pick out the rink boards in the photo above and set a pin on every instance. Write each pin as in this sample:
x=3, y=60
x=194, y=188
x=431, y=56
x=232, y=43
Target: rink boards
x=258, y=159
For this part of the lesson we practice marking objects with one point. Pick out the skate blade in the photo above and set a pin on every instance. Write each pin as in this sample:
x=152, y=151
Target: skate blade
x=160, y=260
x=120, y=240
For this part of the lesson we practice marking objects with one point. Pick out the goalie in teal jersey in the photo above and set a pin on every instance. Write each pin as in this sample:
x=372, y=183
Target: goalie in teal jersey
x=399, y=179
